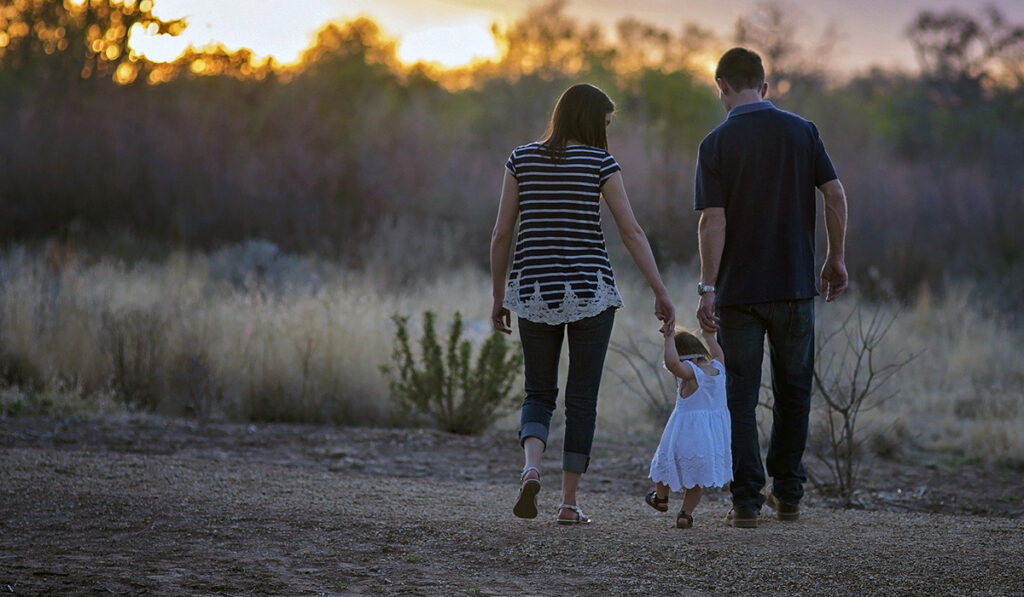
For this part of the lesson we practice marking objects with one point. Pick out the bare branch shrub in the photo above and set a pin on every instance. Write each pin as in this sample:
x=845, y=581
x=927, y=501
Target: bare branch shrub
x=16, y=369
x=19, y=371
x=133, y=340
x=191, y=380
x=645, y=363
x=850, y=377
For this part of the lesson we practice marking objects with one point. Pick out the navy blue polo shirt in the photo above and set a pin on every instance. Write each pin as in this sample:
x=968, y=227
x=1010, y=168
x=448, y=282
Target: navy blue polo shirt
x=762, y=165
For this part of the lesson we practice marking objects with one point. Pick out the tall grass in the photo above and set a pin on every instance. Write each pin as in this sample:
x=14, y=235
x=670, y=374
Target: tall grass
x=301, y=340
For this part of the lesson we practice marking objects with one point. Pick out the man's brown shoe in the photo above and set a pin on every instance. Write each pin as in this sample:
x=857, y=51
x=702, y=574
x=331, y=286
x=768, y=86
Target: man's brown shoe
x=782, y=510
x=743, y=518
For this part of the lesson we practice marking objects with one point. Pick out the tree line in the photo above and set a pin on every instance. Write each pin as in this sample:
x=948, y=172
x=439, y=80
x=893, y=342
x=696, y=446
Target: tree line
x=318, y=157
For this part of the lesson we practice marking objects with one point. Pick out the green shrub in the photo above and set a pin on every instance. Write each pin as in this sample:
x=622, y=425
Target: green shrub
x=459, y=397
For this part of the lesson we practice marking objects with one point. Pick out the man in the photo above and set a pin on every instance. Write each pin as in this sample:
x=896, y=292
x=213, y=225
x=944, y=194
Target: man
x=756, y=176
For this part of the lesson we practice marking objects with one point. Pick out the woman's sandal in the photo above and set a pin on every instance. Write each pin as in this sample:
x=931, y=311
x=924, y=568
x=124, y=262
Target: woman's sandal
x=581, y=518
x=683, y=520
x=659, y=504
x=526, y=505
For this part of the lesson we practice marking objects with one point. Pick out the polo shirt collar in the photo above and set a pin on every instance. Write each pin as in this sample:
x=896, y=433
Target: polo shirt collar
x=748, y=108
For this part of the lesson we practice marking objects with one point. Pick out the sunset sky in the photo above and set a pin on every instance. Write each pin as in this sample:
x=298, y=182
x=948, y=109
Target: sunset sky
x=453, y=32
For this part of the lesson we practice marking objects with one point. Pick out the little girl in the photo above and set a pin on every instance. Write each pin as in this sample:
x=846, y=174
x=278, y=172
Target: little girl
x=695, y=447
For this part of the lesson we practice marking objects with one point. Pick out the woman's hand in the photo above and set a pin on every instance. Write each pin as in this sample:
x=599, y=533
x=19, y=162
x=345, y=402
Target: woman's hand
x=665, y=311
x=501, y=319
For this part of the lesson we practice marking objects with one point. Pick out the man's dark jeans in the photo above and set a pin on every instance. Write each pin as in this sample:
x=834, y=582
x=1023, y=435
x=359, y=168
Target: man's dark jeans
x=790, y=329
x=542, y=347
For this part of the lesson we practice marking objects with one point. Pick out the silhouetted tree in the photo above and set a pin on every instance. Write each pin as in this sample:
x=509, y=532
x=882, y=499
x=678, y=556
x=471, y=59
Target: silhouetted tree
x=643, y=46
x=772, y=30
x=549, y=44
x=959, y=53
x=71, y=40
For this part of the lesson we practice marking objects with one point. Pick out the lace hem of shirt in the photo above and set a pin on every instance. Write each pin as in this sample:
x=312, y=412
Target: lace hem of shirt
x=572, y=308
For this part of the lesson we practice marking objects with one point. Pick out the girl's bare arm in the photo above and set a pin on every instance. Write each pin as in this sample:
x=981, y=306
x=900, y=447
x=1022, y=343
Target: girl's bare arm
x=672, y=362
x=713, y=347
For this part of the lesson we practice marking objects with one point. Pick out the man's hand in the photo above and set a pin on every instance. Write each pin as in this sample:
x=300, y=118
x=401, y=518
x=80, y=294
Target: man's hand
x=834, y=278
x=501, y=319
x=706, y=313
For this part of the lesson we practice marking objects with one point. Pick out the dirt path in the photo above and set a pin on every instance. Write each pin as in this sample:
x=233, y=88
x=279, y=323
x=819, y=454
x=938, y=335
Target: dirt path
x=160, y=508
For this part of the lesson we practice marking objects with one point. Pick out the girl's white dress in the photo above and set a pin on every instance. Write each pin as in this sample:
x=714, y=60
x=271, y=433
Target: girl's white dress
x=695, y=447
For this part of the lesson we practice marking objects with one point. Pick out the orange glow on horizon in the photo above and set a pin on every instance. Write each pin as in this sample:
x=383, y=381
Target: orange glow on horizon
x=450, y=33
x=443, y=46
x=269, y=28
x=449, y=46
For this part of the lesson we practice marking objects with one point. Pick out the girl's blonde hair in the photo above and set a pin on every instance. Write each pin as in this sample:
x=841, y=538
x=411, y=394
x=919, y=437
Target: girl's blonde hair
x=688, y=343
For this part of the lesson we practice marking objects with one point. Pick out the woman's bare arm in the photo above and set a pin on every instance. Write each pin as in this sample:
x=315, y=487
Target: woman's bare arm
x=633, y=237
x=501, y=247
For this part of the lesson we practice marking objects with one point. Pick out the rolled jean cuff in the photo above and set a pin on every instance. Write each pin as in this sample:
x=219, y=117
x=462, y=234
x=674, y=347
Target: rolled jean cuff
x=575, y=462
x=534, y=429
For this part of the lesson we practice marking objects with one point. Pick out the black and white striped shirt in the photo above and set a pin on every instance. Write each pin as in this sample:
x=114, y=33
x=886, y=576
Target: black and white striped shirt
x=560, y=269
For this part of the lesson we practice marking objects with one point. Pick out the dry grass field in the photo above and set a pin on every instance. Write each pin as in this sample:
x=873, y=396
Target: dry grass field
x=250, y=334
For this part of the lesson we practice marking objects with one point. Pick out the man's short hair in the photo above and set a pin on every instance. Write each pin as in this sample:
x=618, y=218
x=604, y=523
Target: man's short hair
x=741, y=69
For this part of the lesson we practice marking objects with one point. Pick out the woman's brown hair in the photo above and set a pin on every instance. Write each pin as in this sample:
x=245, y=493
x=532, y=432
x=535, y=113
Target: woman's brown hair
x=579, y=115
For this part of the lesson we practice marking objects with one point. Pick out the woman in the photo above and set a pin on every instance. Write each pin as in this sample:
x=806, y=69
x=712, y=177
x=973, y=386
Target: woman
x=561, y=280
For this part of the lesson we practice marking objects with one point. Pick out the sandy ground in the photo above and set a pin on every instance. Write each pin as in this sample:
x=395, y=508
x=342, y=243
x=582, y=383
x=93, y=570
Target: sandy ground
x=162, y=508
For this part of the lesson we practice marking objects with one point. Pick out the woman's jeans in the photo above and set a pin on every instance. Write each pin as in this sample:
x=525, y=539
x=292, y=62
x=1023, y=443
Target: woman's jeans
x=542, y=347
x=790, y=329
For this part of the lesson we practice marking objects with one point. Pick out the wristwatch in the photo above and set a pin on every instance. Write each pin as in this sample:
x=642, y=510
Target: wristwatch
x=703, y=289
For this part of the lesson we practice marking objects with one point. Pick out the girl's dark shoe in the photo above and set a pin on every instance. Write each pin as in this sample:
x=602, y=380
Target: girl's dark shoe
x=684, y=520
x=659, y=504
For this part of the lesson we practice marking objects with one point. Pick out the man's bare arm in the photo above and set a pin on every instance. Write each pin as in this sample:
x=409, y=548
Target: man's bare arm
x=711, y=241
x=834, y=278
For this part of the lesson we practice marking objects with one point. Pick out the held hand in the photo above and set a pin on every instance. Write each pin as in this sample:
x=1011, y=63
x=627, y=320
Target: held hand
x=665, y=311
x=706, y=313
x=834, y=278
x=501, y=319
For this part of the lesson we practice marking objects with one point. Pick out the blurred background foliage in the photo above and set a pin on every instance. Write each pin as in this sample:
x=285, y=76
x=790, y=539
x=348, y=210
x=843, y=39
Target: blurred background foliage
x=331, y=155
